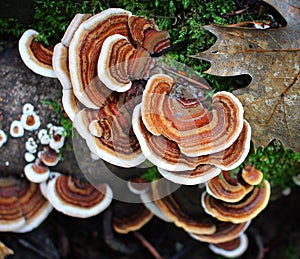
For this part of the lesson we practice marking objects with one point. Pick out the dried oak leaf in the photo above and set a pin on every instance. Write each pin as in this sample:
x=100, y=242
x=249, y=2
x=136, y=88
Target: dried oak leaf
x=272, y=58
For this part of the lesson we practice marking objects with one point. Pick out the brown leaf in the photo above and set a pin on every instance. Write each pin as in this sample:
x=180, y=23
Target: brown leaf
x=272, y=58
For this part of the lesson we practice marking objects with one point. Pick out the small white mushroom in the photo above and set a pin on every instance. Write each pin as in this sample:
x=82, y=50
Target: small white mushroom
x=44, y=137
x=28, y=109
x=287, y=191
x=29, y=157
x=296, y=179
x=16, y=129
x=30, y=122
x=57, y=138
x=31, y=145
x=3, y=138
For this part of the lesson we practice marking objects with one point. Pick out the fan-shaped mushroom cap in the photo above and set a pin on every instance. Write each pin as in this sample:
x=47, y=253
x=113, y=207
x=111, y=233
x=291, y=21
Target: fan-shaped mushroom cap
x=200, y=174
x=78, y=198
x=84, y=51
x=146, y=34
x=251, y=175
x=130, y=217
x=183, y=207
x=227, y=187
x=113, y=62
x=196, y=130
x=35, y=55
x=36, y=172
x=180, y=168
x=113, y=139
x=3, y=138
x=22, y=207
x=49, y=156
x=246, y=209
x=226, y=231
x=233, y=248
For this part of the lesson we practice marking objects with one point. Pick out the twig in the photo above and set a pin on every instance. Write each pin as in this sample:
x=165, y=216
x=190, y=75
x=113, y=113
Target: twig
x=146, y=244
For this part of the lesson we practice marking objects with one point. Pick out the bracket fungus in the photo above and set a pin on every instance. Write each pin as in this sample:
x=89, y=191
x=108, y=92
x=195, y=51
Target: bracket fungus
x=245, y=209
x=228, y=188
x=130, y=217
x=37, y=172
x=232, y=248
x=182, y=207
x=196, y=130
x=251, y=175
x=35, y=56
x=77, y=198
x=180, y=168
x=24, y=205
x=49, y=156
x=108, y=131
x=225, y=231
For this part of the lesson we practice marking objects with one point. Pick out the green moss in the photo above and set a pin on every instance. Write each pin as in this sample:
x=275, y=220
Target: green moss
x=151, y=174
x=278, y=165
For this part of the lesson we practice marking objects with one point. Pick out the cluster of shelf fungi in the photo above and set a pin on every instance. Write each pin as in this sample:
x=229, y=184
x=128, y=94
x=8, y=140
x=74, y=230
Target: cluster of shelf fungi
x=131, y=106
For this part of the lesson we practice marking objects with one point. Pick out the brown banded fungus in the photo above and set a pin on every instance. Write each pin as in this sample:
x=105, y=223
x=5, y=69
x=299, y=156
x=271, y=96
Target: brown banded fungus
x=36, y=56
x=232, y=248
x=37, y=172
x=23, y=207
x=251, y=175
x=183, y=207
x=77, y=198
x=130, y=217
x=182, y=169
x=228, y=187
x=196, y=130
x=146, y=34
x=108, y=131
x=225, y=231
x=245, y=209
x=119, y=62
x=49, y=156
